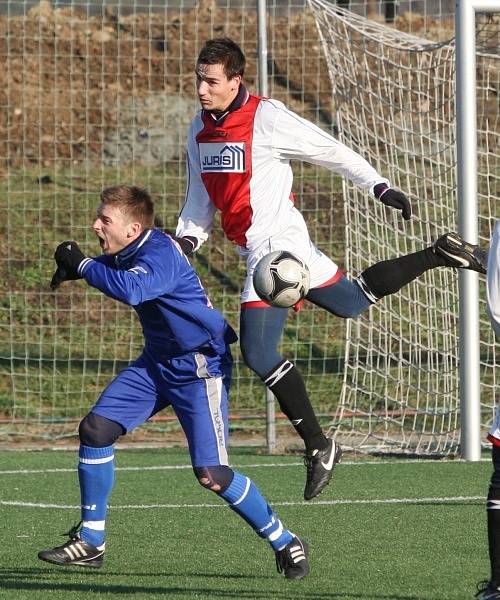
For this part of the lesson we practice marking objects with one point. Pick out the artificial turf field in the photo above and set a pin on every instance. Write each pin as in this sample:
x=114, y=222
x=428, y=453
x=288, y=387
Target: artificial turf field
x=383, y=529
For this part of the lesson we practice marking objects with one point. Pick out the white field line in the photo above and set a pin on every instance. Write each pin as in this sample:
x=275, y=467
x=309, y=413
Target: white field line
x=433, y=500
x=442, y=500
x=243, y=467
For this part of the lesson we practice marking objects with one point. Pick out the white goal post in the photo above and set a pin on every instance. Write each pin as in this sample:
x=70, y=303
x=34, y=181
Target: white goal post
x=465, y=33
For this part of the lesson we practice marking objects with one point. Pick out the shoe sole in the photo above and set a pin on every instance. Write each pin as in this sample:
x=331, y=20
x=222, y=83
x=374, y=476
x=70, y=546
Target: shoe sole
x=91, y=564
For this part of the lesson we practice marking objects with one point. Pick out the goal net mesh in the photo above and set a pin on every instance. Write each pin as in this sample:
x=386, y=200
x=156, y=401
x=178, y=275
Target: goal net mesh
x=394, y=97
x=100, y=93
x=95, y=94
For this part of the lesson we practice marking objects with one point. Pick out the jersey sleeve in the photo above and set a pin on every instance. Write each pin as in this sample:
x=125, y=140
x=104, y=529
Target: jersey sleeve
x=104, y=259
x=493, y=280
x=149, y=277
x=295, y=138
x=197, y=214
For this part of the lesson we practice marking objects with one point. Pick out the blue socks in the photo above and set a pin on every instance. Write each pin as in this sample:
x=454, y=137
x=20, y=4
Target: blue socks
x=96, y=476
x=244, y=498
x=96, y=473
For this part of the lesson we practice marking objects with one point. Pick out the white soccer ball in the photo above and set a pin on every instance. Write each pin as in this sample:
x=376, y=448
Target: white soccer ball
x=281, y=279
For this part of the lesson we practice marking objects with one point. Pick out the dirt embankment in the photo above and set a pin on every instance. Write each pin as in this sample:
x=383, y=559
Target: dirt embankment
x=105, y=88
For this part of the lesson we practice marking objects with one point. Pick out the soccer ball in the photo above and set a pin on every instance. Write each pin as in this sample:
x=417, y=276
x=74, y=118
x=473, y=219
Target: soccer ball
x=281, y=279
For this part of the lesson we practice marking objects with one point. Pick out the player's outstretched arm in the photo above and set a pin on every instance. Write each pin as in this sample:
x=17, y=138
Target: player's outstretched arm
x=153, y=273
x=299, y=139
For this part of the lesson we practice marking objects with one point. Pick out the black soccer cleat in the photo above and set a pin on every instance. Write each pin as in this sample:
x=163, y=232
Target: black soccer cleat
x=487, y=590
x=74, y=552
x=460, y=254
x=292, y=559
x=320, y=465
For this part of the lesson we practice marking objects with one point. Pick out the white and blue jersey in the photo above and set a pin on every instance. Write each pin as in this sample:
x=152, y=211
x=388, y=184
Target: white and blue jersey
x=186, y=362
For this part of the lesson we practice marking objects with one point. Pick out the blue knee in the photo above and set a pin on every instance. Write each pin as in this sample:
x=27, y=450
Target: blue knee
x=344, y=298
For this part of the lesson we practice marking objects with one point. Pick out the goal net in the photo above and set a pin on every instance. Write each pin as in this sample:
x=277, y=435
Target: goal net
x=100, y=93
x=95, y=94
x=394, y=97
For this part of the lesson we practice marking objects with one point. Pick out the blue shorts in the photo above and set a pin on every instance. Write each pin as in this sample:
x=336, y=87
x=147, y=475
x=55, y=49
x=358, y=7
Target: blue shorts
x=195, y=385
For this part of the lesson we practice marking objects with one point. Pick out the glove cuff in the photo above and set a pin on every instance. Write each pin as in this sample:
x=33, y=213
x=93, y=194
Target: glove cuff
x=187, y=244
x=82, y=266
x=380, y=189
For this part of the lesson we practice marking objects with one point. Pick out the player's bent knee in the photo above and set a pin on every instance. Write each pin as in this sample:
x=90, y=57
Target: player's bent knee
x=97, y=432
x=216, y=479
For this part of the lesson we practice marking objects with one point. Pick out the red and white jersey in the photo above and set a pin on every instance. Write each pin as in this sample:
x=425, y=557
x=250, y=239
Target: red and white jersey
x=242, y=167
x=493, y=280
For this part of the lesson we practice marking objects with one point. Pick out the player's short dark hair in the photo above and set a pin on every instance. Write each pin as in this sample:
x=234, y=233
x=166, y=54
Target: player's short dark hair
x=133, y=201
x=225, y=52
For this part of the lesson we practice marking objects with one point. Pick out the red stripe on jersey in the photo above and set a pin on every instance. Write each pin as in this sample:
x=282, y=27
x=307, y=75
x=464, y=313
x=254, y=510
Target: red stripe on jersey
x=261, y=304
x=255, y=304
x=495, y=441
x=331, y=281
x=230, y=190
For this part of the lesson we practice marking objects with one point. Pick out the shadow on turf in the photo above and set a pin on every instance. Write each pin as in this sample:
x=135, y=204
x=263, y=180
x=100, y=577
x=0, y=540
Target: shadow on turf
x=28, y=579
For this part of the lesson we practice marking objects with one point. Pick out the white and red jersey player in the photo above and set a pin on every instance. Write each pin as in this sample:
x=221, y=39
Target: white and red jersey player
x=239, y=164
x=493, y=302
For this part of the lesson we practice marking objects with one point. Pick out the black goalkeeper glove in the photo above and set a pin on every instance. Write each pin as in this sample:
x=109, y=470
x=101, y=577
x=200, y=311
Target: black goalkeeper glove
x=68, y=257
x=394, y=199
x=59, y=276
x=187, y=244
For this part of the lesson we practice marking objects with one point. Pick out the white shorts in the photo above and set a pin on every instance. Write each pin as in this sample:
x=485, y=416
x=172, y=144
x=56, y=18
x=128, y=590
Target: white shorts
x=295, y=238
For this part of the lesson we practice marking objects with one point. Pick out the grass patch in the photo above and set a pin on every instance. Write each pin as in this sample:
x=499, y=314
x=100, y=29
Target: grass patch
x=382, y=530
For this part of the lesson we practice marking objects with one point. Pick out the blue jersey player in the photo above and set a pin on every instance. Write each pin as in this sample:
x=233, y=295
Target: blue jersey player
x=185, y=363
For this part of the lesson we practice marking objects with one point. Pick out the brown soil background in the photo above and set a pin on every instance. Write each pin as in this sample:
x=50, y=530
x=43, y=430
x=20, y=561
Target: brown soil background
x=66, y=78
